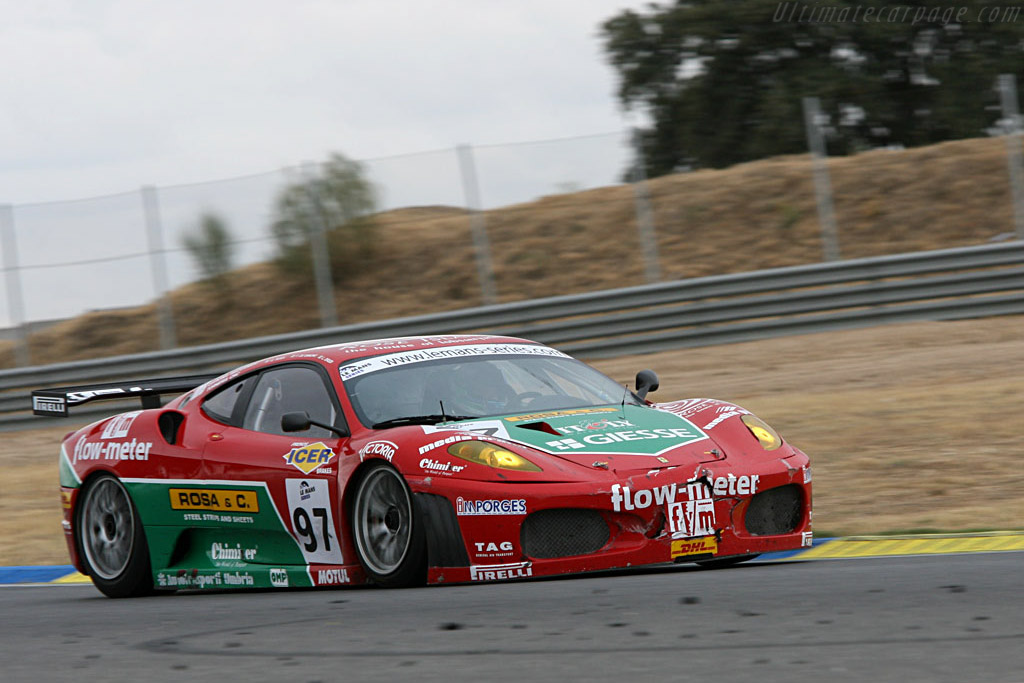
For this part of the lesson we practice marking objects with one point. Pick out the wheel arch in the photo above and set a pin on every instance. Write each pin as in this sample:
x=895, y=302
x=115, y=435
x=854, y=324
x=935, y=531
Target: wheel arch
x=136, y=577
x=446, y=546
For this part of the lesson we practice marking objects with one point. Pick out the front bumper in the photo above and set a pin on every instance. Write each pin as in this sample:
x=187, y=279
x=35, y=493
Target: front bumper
x=655, y=517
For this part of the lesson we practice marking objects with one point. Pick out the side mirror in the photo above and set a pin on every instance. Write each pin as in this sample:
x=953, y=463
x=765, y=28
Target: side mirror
x=295, y=422
x=300, y=422
x=646, y=381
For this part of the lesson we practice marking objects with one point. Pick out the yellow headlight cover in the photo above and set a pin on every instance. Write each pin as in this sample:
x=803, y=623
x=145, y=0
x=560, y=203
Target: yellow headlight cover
x=483, y=453
x=769, y=438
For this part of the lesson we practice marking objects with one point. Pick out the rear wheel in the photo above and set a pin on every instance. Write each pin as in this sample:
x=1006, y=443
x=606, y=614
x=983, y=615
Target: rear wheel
x=388, y=534
x=111, y=540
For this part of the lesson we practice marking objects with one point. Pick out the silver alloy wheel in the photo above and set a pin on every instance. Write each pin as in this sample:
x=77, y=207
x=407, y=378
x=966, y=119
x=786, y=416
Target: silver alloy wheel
x=383, y=520
x=107, y=528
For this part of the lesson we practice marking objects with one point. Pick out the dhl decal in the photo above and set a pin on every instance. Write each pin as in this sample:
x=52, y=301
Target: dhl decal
x=694, y=546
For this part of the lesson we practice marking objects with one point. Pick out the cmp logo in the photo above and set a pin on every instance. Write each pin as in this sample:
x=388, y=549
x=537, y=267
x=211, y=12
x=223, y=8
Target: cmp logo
x=278, y=577
x=308, y=457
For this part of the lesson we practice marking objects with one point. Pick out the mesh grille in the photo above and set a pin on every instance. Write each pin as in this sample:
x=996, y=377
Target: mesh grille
x=563, y=532
x=775, y=511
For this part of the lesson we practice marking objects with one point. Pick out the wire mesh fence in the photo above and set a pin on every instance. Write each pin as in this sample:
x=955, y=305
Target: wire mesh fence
x=557, y=211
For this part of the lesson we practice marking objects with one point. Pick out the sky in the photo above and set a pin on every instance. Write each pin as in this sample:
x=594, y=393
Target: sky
x=103, y=96
x=218, y=104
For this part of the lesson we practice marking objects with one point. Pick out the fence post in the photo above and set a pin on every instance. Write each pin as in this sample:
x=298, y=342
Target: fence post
x=1012, y=126
x=477, y=224
x=158, y=266
x=318, y=244
x=15, y=301
x=644, y=214
x=822, y=186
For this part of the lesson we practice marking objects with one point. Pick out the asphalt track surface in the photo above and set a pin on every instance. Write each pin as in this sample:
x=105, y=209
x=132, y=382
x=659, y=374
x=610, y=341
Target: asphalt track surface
x=922, y=618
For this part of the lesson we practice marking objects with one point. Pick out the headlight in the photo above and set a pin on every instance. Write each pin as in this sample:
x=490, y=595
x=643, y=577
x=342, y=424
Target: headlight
x=488, y=454
x=769, y=438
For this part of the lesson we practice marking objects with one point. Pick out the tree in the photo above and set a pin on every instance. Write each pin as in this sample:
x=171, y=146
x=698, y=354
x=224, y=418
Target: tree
x=723, y=82
x=211, y=247
x=337, y=199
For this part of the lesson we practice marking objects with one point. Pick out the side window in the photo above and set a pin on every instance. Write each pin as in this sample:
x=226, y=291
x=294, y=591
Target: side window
x=290, y=389
x=221, y=405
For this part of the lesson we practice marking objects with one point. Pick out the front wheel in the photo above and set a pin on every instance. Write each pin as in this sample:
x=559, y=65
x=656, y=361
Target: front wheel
x=111, y=540
x=388, y=534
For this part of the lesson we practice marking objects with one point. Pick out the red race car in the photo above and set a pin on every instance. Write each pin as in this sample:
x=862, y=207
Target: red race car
x=399, y=462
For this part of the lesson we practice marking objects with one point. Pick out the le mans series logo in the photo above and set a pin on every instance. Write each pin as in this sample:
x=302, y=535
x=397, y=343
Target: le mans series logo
x=308, y=457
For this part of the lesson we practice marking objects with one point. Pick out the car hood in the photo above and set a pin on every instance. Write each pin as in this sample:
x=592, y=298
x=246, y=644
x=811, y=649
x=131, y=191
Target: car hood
x=621, y=438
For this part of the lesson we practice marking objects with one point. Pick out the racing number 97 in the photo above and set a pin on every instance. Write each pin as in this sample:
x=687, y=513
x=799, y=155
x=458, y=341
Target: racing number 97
x=304, y=527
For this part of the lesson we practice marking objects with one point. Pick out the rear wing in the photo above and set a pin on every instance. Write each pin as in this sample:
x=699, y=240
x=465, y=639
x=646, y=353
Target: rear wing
x=55, y=402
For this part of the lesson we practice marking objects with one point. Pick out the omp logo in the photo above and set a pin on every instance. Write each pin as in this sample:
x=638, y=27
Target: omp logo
x=695, y=546
x=279, y=578
x=218, y=500
x=48, y=404
x=308, y=457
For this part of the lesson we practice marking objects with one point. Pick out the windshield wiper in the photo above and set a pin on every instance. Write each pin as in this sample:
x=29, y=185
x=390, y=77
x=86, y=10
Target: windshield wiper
x=420, y=420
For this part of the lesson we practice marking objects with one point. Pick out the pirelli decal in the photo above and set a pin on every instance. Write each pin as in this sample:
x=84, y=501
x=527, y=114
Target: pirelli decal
x=216, y=500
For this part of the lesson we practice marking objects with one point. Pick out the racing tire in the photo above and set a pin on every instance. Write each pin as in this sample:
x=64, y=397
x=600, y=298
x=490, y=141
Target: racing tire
x=388, y=533
x=111, y=540
x=725, y=561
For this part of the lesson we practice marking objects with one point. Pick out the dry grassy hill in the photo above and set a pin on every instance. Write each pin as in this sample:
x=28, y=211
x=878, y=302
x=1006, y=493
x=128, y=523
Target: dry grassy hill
x=756, y=215
x=909, y=426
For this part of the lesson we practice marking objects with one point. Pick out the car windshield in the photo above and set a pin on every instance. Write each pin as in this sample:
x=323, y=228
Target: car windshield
x=463, y=388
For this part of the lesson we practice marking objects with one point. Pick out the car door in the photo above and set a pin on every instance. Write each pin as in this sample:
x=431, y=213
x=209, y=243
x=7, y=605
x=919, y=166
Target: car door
x=299, y=469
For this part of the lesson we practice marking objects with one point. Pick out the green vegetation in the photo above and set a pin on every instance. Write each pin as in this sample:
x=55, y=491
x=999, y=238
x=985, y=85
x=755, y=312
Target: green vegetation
x=336, y=200
x=211, y=247
x=723, y=82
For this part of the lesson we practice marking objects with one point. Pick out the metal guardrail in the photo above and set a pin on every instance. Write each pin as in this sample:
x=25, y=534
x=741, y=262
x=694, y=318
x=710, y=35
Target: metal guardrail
x=936, y=285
